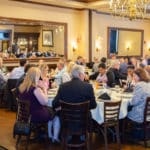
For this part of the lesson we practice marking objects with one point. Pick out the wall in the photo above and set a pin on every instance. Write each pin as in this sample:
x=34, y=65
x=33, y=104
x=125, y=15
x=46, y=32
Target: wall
x=28, y=29
x=129, y=43
x=100, y=24
x=44, y=13
x=77, y=25
x=58, y=41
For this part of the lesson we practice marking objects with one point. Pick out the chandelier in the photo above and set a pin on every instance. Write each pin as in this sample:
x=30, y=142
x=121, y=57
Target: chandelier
x=132, y=9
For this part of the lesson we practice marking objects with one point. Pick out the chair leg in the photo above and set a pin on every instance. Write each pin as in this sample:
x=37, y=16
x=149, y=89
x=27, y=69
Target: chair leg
x=118, y=136
x=145, y=136
x=105, y=138
x=63, y=141
x=18, y=140
x=124, y=125
x=88, y=140
x=28, y=137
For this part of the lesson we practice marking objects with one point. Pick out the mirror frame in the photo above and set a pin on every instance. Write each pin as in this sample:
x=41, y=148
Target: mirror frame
x=124, y=29
x=17, y=21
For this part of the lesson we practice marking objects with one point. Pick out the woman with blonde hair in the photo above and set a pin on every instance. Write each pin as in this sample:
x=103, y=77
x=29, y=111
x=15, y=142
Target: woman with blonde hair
x=44, y=81
x=67, y=74
x=29, y=90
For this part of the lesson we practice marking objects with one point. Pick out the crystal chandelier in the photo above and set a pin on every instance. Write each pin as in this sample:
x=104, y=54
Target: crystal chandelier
x=133, y=9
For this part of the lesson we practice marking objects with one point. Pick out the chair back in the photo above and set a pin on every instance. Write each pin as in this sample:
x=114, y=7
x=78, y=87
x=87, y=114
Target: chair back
x=12, y=103
x=23, y=112
x=147, y=111
x=111, y=112
x=14, y=92
x=75, y=117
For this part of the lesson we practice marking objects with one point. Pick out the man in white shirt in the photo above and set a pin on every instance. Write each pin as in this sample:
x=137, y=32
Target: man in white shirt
x=59, y=72
x=3, y=77
x=18, y=71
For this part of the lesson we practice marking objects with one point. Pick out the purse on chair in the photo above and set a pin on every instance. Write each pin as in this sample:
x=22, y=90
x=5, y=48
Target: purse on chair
x=21, y=128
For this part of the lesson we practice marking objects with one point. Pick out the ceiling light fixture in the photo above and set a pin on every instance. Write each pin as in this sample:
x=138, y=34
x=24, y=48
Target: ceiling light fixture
x=132, y=9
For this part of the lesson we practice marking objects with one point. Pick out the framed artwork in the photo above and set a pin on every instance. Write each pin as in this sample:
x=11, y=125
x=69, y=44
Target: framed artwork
x=47, y=38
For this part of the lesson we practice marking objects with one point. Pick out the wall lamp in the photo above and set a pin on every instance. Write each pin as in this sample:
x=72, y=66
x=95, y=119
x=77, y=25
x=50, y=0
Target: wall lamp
x=97, y=45
x=148, y=47
x=74, y=46
x=128, y=46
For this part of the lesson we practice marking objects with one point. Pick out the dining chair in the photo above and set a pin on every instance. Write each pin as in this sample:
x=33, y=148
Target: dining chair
x=23, y=116
x=111, y=120
x=140, y=128
x=11, y=102
x=75, y=123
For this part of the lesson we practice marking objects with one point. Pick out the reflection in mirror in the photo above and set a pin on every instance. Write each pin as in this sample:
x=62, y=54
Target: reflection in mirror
x=125, y=42
x=26, y=36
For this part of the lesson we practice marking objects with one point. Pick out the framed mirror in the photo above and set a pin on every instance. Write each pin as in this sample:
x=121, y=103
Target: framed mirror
x=125, y=42
x=35, y=35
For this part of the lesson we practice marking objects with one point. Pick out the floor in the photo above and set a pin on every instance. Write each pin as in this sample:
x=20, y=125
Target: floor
x=7, y=120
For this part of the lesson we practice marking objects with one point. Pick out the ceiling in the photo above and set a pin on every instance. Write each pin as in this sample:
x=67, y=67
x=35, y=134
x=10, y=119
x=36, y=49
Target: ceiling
x=101, y=6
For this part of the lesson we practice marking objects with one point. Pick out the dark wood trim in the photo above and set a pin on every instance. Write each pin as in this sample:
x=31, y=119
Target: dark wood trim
x=44, y=4
x=85, y=1
x=125, y=29
x=66, y=40
x=14, y=21
x=90, y=35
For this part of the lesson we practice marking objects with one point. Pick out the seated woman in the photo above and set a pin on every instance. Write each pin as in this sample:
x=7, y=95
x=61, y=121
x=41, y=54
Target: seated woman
x=44, y=81
x=140, y=94
x=130, y=76
x=29, y=90
x=67, y=74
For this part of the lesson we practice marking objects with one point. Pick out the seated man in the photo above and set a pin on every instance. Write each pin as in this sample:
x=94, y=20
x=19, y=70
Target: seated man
x=113, y=74
x=3, y=80
x=3, y=76
x=75, y=91
x=60, y=70
x=18, y=71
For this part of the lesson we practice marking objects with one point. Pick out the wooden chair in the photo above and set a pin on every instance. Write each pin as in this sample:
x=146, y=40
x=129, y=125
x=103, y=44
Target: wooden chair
x=1, y=97
x=11, y=102
x=3, y=148
x=111, y=119
x=75, y=119
x=146, y=123
x=14, y=92
x=137, y=127
x=23, y=115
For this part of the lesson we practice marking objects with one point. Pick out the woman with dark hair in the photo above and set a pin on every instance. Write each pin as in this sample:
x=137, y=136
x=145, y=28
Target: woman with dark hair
x=140, y=94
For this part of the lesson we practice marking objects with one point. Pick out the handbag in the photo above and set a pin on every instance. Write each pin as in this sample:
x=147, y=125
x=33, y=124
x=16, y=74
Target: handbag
x=21, y=128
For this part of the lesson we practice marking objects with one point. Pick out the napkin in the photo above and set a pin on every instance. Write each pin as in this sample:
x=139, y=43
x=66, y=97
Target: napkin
x=104, y=96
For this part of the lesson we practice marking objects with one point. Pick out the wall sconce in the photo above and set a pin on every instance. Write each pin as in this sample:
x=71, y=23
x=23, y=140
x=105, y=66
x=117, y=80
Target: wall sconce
x=74, y=46
x=128, y=46
x=148, y=47
x=97, y=45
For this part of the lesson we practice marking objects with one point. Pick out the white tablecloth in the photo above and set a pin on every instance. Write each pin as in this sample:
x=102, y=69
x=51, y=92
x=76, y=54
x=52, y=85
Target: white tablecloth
x=98, y=112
